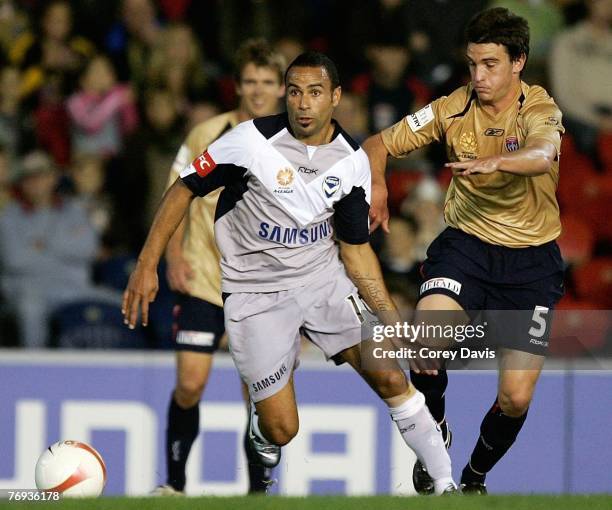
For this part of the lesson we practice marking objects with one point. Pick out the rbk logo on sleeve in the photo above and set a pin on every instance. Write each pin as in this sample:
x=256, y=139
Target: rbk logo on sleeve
x=204, y=164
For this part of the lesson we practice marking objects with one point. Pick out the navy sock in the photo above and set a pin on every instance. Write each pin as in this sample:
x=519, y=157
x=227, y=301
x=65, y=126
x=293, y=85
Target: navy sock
x=497, y=434
x=182, y=431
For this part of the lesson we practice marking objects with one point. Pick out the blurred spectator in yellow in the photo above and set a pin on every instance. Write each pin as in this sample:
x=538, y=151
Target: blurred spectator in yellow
x=51, y=56
x=13, y=22
x=177, y=64
x=103, y=112
x=581, y=78
x=47, y=246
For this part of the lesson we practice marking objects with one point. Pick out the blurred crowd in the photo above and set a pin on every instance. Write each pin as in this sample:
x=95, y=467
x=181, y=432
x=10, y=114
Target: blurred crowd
x=96, y=97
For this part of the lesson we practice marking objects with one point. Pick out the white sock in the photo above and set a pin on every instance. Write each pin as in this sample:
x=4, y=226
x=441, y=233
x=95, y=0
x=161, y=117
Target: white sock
x=421, y=433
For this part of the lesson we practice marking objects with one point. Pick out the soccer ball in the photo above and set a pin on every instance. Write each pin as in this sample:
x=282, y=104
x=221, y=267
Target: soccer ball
x=72, y=468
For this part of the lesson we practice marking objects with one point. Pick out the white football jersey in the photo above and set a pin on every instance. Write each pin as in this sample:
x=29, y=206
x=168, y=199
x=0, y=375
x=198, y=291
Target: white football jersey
x=282, y=204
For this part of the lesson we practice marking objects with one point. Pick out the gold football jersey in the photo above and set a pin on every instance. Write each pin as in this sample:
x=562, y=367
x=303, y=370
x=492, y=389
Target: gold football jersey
x=199, y=247
x=499, y=208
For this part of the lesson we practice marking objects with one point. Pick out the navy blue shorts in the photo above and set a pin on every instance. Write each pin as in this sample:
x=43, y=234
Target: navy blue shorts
x=198, y=325
x=483, y=276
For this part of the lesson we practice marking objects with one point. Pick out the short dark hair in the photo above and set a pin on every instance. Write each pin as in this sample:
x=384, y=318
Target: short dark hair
x=500, y=26
x=316, y=59
x=258, y=52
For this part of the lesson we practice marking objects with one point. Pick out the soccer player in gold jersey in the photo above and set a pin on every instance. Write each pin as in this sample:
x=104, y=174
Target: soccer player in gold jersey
x=193, y=270
x=502, y=139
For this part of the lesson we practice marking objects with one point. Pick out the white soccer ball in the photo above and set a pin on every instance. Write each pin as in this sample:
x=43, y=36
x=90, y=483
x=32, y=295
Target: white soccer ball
x=72, y=468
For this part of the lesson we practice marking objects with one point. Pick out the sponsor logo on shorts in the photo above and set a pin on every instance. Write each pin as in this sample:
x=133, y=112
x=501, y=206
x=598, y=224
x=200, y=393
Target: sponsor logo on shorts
x=331, y=185
x=441, y=283
x=535, y=341
x=295, y=236
x=204, y=164
x=273, y=378
x=199, y=338
x=494, y=132
x=512, y=144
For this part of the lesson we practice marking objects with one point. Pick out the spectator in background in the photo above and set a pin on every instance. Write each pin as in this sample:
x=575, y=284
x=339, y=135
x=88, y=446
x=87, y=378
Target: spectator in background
x=131, y=40
x=5, y=188
x=11, y=117
x=50, y=60
x=400, y=257
x=47, y=246
x=103, y=112
x=177, y=64
x=426, y=205
x=50, y=57
x=13, y=23
x=436, y=39
x=581, y=77
x=389, y=88
x=87, y=174
x=352, y=115
x=363, y=23
x=545, y=18
x=149, y=153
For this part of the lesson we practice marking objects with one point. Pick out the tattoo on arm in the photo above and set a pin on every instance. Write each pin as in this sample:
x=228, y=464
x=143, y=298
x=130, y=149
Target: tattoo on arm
x=373, y=291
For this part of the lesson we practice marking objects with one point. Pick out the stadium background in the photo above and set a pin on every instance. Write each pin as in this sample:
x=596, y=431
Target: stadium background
x=104, y=92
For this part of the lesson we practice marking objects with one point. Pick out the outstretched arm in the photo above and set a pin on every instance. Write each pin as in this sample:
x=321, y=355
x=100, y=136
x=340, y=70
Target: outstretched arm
x=536, y=158
x=143, y=285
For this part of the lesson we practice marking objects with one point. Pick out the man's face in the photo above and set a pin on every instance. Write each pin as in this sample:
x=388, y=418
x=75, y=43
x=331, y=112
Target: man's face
x=259, y=90
x=493, y=74
x=310, y=100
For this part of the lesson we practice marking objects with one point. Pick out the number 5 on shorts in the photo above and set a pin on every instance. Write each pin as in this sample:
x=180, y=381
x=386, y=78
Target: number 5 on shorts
x=539, y=317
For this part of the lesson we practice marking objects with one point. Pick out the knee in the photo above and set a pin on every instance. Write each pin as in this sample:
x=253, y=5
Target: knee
x=390, y=383
x=514, y=403
x=280, y=432
x=189, y=390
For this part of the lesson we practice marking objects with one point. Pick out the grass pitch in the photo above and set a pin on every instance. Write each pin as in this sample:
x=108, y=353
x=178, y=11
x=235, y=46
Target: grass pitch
x=593, y=502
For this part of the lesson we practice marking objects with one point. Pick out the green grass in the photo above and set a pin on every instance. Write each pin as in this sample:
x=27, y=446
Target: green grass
x=594, y=502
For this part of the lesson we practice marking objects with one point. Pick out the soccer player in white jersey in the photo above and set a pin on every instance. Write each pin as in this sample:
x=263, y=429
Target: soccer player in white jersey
x=193, y=266
x=292, y=228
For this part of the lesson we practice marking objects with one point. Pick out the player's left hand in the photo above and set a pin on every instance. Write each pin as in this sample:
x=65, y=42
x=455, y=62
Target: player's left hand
x=476, y=166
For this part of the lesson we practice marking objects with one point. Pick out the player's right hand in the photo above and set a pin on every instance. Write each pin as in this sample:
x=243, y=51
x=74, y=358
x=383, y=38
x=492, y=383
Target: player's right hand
x=179, y=273
x=141, y=290
x=379, y=212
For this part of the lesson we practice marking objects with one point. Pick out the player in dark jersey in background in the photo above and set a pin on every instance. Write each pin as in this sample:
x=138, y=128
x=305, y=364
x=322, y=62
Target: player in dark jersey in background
x=502, y=138
x=282, y=269
x=193, y=265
